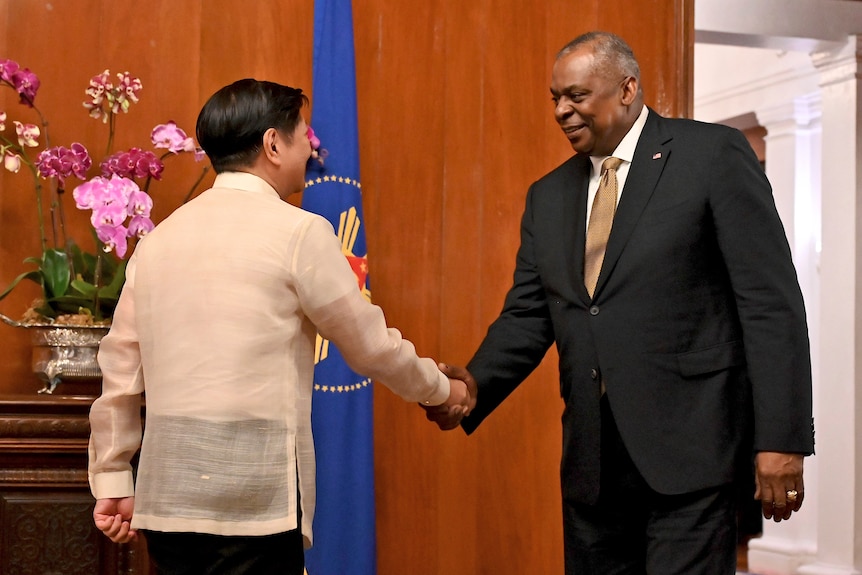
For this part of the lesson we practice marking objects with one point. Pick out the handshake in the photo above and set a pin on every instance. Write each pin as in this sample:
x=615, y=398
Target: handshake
x=462, y=398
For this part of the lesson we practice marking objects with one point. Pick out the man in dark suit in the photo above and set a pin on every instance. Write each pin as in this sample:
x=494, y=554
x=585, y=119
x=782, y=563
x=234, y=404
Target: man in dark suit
x=684, y=358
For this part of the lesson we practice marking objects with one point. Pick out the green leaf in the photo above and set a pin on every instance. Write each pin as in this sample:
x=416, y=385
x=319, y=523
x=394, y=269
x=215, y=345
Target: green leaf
x=33, y=275
x=76, y=300
x=79, y=264
x=46, y=311
x=110, y=265
x=112, y=290
x=55, y=269
x=86, y=289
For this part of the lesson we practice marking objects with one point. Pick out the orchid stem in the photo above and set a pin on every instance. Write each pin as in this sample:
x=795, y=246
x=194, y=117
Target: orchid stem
x=97, y=279
x=196, y=184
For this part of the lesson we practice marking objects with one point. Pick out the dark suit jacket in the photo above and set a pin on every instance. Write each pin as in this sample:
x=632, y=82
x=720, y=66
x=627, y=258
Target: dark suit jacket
x=697, y=325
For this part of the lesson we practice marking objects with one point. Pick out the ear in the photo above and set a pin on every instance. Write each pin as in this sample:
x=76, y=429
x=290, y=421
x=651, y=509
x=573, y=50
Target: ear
x=271, y=145
x=629, y=90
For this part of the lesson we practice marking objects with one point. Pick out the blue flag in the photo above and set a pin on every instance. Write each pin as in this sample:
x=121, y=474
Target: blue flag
x=342, y=416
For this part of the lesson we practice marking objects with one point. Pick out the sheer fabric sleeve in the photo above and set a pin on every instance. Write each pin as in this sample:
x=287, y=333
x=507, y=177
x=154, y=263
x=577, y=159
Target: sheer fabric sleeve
x=330, y=298
x=115, y=417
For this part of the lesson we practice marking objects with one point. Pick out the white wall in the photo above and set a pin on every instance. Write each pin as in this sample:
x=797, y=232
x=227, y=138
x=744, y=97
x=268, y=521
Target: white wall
x=793, y=67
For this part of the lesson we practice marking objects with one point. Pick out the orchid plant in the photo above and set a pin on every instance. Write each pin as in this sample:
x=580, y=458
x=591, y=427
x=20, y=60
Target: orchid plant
x=74, y=282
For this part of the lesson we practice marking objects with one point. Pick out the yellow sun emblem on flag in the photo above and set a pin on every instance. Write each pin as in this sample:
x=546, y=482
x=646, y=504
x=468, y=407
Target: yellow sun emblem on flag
x=348, y=230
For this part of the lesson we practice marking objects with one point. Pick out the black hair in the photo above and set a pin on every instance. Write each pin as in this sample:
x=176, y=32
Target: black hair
x=231, y=124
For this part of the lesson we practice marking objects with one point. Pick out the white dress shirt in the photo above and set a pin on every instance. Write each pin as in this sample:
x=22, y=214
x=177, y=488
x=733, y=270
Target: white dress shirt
x=624, y=151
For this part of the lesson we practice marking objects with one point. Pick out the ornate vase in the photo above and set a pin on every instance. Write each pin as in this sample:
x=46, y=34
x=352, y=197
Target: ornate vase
x=63, y=352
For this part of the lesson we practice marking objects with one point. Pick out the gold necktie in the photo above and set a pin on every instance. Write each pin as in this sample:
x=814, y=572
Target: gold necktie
x=601, y=219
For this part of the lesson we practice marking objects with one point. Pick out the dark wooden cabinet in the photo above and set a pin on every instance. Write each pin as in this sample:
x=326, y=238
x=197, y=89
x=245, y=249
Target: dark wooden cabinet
x=46, y=522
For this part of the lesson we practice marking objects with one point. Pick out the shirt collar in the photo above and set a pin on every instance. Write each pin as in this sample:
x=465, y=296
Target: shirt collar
x=625, y=150
x=244, y=181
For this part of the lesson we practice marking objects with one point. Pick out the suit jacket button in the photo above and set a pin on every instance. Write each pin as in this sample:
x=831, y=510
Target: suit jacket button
x=594, y=310
x=594, y=373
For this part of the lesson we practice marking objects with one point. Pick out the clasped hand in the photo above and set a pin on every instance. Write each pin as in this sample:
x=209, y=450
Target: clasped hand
x=462, y=398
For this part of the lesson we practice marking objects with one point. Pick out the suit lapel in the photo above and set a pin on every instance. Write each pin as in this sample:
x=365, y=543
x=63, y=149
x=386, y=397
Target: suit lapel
x=651, y=154
x=574, y=235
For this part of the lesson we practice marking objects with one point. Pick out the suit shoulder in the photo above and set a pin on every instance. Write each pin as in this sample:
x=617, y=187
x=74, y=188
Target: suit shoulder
x=572, y=168
x=685, y=127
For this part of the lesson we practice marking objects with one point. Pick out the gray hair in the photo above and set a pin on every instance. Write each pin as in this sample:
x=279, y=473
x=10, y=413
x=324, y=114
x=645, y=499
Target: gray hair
x=611, y=53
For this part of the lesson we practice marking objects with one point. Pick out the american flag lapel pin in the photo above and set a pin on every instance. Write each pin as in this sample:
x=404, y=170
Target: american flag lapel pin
x=656, y=156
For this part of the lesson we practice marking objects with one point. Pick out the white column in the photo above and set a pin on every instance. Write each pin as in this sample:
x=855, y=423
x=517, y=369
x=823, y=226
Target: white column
x=793, y=169
x=839, y=403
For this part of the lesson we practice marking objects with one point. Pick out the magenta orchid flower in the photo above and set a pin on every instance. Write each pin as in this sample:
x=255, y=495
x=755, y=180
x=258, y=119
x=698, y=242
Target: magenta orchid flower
x=25, y=82
x=316, y=152
x=27, y=134
x=7, y=69
x=62, y=162
x=135, y=163
x=314, y=140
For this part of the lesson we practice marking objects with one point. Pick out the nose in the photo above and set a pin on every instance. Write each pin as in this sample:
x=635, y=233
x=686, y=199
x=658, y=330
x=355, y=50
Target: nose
x=563, y=109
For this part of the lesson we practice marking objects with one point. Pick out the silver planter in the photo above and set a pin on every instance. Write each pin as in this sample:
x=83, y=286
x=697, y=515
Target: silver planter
x=63, y=352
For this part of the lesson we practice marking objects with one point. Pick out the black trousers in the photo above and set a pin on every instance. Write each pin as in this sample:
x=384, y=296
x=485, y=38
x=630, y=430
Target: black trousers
x=633, y=530
x=205, y=554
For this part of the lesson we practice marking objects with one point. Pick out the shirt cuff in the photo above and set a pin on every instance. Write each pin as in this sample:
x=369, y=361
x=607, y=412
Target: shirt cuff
x=441, y=394
x=112, y=484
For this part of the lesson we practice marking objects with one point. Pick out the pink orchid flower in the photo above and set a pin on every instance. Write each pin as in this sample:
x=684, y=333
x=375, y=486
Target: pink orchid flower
x=99, y=192
x=109, y=214
x=2, y=121
x=140, y=204
x=27, y=134
x=85, y=195
x=113, y=200
x=114, y=238
x=172, y=138
x=139, y=226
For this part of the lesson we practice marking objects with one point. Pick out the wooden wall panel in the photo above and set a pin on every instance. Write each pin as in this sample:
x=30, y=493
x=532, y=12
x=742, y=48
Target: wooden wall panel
x=455, y=123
